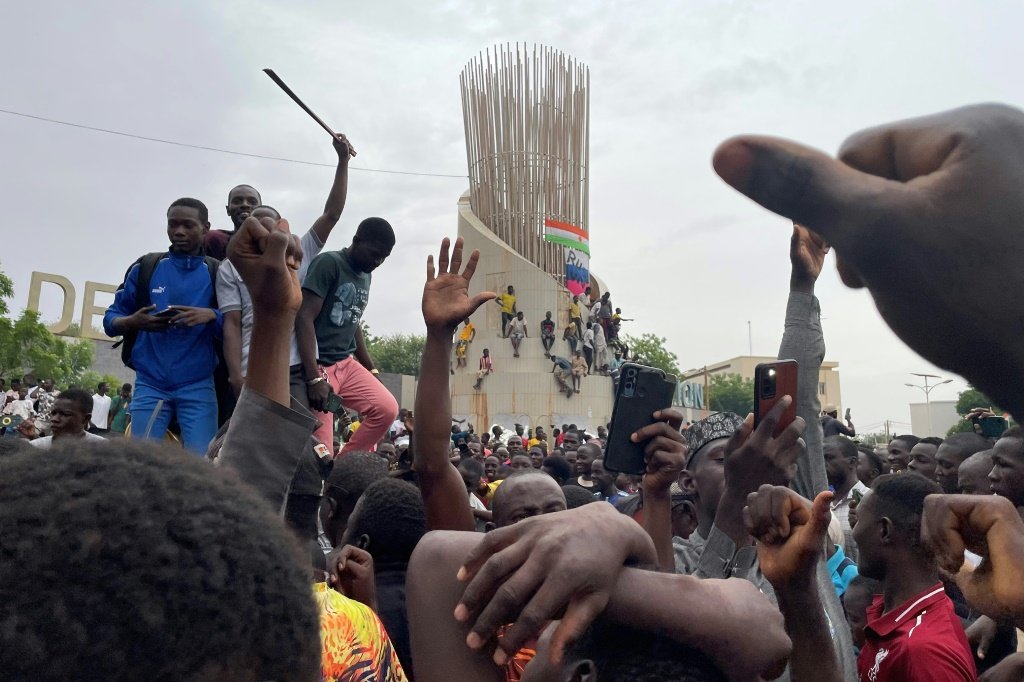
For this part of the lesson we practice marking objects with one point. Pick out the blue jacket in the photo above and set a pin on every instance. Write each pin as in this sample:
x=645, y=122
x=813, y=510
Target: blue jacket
x=180, y=355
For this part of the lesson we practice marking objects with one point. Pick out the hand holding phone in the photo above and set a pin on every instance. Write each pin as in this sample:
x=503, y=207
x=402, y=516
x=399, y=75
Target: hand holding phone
x=167, y=313
x=640, y=393
x=772, y=381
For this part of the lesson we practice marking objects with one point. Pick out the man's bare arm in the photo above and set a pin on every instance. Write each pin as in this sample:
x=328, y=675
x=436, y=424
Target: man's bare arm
x=323, y=225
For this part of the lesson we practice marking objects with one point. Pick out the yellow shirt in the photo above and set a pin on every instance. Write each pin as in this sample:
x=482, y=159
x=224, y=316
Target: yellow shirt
x=574, y=310
x=467, y=332
x=508, y=303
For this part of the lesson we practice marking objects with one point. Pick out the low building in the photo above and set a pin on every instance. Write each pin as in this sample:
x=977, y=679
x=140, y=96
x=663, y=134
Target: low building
x=692, y=394
x=933, y=419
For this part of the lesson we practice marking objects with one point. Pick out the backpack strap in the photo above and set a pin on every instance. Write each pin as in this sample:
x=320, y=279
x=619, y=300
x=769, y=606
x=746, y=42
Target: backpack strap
x=147, y=265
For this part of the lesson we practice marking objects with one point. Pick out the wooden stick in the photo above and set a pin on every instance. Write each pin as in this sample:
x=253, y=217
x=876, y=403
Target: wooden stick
x=288, y=91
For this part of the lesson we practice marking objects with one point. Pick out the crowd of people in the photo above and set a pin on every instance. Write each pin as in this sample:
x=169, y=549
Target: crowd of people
x=743, y=552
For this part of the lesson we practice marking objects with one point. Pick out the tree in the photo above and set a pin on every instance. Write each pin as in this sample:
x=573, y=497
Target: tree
x=731, y=393
x=652, y=352
x=395, y=353
x=27, y=346
x=89, y=380
x=971, y=398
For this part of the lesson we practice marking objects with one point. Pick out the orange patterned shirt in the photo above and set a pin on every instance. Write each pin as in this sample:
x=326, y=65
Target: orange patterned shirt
x=354, y=644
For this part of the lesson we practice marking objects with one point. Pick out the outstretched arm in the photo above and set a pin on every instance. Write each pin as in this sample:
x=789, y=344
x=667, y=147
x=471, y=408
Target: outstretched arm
x=446, y=302
x=804, y=342
x=323, y=225
x=266, y=437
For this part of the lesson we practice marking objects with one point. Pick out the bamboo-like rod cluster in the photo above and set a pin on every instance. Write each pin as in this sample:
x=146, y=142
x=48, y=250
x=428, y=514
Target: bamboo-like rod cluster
x=527, y=117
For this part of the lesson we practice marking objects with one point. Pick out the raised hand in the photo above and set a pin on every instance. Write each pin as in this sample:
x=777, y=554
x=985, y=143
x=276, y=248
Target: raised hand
x=350, y=571
x=790, y=533
x=807, y=251
x=989, y=526
x=343, y=147
x=446, y=300
x=532, y=571
x=267, y=256
x=906, y=201
x=665, y=452
x=754, y=457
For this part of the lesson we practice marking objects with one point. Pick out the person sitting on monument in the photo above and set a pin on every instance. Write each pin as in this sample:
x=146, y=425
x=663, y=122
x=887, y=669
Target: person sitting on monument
x=516, y=330
x=572, y=337
x=486, y=367
x=507, y=303
x=547, y=333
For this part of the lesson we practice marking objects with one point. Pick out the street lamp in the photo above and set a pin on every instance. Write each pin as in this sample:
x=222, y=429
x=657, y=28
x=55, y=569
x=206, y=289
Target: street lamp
x=927, y=393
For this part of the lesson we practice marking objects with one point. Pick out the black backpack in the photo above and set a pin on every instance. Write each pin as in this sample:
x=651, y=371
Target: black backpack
x=147, y=265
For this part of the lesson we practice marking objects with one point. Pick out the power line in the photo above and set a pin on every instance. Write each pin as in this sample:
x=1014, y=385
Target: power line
x=216, y=149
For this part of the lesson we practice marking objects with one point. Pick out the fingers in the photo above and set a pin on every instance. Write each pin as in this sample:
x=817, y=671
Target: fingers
x=770, y=421
x=442, y=257
x=542, y=607
x=430, y=268
x=480, y=299
x=147, y=309
x=578, y=617
x=470, y=270
x=737, y=439
x=940, y=530
x=456, y=256
x=487, y=577
x=804, y=185
x=672, y=416
x=507, y=606
x=277, y=244
x=821, y=514
x=654, y=430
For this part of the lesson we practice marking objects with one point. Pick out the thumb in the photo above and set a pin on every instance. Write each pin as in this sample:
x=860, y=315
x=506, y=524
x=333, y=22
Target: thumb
x=821, y=514
x=801, y=183
x=480, y=299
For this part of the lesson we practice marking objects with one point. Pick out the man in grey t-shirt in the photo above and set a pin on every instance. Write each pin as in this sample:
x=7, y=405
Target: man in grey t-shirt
x=233, y=297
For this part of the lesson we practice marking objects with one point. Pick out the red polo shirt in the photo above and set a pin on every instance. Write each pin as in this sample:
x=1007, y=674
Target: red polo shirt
x=919, y=640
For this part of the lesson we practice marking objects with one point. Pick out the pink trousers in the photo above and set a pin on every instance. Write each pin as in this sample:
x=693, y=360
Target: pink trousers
x=362, y=392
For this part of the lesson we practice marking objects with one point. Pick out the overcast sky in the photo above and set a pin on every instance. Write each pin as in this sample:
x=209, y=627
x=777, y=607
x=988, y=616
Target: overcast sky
x=683, y=253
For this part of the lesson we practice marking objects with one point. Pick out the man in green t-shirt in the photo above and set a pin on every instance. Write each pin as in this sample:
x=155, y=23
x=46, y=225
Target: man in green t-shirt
x=120, y=414
x=331, y=346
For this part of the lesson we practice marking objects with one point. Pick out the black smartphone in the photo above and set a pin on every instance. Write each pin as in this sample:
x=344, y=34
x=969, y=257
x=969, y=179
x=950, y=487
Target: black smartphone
x=640, y=393
x=334, y=403
x=772, y=380
x=993, y=427
x=167, y=312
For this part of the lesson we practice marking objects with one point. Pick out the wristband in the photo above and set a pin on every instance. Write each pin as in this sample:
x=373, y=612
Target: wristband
x=314, y=382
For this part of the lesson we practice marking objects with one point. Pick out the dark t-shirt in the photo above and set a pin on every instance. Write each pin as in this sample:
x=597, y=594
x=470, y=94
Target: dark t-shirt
x=215, y=243
x=547, y=327
x=830, y=426
x=561, y=363
x=345, y=292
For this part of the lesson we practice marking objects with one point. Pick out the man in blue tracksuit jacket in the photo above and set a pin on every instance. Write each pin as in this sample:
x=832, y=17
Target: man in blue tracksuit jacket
x=175, y=353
